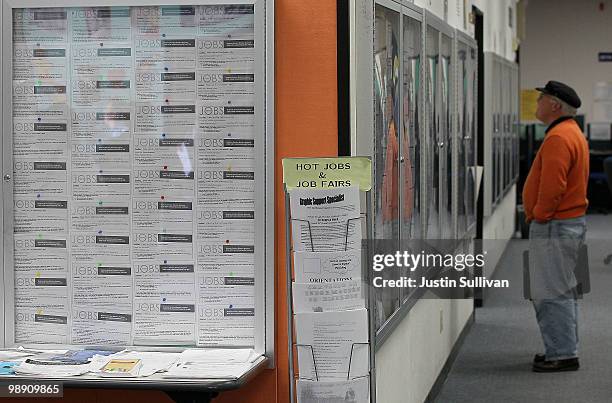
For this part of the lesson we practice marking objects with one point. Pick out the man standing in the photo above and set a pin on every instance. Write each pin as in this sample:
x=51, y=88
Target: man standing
x=555, y=202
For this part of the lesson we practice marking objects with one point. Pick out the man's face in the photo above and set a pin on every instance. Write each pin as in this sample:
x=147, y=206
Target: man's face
x=547, y=108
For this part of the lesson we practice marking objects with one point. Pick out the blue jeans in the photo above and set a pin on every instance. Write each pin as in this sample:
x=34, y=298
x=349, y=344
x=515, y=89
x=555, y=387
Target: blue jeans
x=558, y=322
x=553, y=255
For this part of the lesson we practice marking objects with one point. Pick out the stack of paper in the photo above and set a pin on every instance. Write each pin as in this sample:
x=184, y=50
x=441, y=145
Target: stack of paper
x=13, y=358
x=60, y=370
x=326, y=220
x=70, y=357
x=16, y=354
x=212, y=364
x=332, y=345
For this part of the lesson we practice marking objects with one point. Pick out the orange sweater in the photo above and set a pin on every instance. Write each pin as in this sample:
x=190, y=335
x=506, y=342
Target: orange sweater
x=556, y=186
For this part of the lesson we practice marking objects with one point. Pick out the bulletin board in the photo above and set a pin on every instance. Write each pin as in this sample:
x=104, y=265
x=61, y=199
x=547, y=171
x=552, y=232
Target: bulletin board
x=138, y=174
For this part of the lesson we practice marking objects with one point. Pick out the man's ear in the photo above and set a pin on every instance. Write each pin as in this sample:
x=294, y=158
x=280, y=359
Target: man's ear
x=556, y=106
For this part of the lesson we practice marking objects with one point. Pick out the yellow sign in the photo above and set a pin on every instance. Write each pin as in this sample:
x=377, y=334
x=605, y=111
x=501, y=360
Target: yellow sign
x=327, y=172
x=529, y=104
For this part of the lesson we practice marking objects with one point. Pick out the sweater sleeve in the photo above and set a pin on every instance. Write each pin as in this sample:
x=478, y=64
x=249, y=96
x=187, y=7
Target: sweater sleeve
x=556, y=162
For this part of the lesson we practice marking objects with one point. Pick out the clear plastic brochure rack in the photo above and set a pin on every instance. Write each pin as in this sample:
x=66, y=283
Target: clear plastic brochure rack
x=138, y=196
x=317, y=289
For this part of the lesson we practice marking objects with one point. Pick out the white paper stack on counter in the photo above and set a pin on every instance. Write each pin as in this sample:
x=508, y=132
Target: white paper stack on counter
x=331, y=322
x=212, y=364
x=62, y=363
x=55, y=370
x=197, y=363
x=11, y=359
x=17, y=354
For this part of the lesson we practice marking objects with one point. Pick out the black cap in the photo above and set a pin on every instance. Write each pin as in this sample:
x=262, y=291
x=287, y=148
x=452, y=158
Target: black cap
x=562, y=91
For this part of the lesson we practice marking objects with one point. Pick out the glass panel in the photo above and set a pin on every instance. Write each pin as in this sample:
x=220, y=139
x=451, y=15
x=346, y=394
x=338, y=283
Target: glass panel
x=493, y=133
x=500, y=132
x=506, y=135
x=497, y=169
x=515, y=120
x=387, y=109
x=512, y=124
x=508, y=154
x=471, y=122
x=432, y=155
x=463, y=141
x=508, y=130
x=411, y=148
x=134, y=175
x=444, y=140
x=494, y=153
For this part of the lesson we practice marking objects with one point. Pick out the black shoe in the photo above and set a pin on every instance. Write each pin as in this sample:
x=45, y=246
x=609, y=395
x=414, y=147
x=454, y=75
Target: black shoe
x=539, y=358
x=570, y=364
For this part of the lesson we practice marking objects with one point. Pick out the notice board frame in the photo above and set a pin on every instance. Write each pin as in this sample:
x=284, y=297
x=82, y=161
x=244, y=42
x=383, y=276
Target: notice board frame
x=264, y=170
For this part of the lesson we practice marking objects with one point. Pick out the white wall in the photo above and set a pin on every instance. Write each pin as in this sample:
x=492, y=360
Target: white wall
x=409, y=362
x=434, y=6
x=456, y=14
x=498, y=36
x=499, y=33
x=563, y=38
x=501, y=226
x=497, y=230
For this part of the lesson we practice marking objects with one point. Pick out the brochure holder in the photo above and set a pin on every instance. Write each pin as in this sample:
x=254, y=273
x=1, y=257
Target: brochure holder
x=314, y=362
x=370, y=301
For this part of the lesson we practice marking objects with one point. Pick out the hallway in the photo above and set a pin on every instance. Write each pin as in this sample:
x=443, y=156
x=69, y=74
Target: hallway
x=494, y=364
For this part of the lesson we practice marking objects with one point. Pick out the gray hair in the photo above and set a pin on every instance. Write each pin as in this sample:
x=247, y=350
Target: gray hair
x=567, y=109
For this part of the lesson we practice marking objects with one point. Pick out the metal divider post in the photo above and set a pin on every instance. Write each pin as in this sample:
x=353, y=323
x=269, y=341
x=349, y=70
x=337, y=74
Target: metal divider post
x=288, y=257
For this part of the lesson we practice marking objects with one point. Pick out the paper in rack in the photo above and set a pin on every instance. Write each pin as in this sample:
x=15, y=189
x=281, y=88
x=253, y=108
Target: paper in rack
x=353, y=391
x=321, y=267
x=329, y=296
x=332, y=345
x=325, y=220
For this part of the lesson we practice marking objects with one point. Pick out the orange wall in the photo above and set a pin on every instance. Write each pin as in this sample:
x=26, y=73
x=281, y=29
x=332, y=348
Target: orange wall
x=306, y=125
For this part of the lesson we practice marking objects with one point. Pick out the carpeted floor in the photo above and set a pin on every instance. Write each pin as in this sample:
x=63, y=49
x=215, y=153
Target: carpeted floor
x=494, y=363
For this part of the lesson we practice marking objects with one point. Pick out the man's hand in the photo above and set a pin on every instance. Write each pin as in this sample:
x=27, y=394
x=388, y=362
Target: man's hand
x=529, y=220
